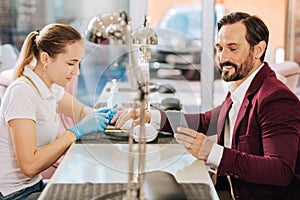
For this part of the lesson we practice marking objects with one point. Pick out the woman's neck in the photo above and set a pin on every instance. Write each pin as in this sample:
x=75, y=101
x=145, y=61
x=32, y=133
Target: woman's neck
x=43, y=75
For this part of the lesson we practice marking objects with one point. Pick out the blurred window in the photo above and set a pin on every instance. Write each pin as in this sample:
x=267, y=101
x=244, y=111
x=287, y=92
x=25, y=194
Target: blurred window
x=187, y=19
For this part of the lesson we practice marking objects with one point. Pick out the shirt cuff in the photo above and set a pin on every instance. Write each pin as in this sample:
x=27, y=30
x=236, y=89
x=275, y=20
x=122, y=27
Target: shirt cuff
x=155, y=119
x=215, y=156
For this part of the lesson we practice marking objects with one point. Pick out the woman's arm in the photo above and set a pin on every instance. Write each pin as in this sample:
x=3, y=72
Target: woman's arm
x=73, y=108
x=33, y=160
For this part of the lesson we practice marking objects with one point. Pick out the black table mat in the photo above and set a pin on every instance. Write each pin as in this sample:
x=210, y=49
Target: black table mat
x=121, y=137
x=114, y=191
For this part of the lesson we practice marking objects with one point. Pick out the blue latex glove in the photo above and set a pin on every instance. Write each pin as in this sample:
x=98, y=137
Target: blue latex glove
x=110, y=111
x=103, y=110
x=95, y=122
x=111, y=114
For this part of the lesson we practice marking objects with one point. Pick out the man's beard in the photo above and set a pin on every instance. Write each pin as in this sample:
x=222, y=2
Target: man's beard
x=240, y=71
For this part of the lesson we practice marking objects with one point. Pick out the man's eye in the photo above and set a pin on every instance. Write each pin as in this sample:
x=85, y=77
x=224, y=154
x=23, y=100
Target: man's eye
x=233, y=49
x=71, y=64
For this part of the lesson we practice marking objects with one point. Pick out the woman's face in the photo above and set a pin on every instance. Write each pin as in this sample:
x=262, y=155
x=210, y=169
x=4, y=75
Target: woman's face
x=66, y=65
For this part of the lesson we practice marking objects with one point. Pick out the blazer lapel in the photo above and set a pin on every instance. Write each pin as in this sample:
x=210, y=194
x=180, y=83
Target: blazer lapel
x=240, y=116
x=253, y=88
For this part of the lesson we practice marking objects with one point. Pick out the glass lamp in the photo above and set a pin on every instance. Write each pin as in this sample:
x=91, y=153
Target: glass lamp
x=107, y=28
x=144, y=37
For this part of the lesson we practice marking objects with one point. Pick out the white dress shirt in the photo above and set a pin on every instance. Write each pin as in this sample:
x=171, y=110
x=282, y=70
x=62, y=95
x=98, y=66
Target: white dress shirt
x=237, y=96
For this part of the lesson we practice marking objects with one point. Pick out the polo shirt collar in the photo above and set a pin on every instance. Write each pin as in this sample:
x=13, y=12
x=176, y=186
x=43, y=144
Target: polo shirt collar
x=41, y=86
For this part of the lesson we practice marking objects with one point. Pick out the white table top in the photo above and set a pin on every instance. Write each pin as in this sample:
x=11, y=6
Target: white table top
x=108, y=163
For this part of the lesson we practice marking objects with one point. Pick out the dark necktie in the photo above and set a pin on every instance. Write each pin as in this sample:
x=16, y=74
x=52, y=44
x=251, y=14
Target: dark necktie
x=222, y=118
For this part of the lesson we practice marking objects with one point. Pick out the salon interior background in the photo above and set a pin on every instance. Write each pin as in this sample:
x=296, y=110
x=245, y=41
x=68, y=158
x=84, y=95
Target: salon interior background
x=18, y=17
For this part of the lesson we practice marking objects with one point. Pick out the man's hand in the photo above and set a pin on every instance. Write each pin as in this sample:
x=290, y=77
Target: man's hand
x=196, y=143
x=124, y=115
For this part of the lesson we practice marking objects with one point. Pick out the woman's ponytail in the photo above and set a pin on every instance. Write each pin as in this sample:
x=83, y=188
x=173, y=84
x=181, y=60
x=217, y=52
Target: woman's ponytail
x=28, y=52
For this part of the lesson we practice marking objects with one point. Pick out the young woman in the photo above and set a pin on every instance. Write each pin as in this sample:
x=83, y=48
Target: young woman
x=28, y=116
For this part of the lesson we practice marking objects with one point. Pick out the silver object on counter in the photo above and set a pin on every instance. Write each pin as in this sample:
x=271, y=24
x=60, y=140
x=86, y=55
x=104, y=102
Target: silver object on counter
x=108, y=28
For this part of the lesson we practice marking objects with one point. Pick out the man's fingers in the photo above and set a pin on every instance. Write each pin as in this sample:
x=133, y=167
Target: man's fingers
x=183, y=139
x=115, y=117
x=185, y=136
x=187, y=131
x=183, y=143
x=121, y=121
x=124, y=116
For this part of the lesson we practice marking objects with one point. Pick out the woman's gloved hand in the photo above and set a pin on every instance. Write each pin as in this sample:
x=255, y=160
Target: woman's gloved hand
x=111, y=111
x=95, y=122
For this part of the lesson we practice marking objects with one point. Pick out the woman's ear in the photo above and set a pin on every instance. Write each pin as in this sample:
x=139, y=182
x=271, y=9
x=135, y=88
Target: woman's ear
x=45, y=58
x=260, y=49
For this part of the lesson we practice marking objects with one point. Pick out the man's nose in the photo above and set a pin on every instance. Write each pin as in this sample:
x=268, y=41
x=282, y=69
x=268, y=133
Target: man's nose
x=223, y=56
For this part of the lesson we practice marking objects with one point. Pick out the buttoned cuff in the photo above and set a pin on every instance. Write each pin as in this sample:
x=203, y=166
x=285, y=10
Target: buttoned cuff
x=155, y=119
x=215, y=155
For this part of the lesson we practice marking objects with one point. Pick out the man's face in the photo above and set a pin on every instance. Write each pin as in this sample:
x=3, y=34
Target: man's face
x=234, y=55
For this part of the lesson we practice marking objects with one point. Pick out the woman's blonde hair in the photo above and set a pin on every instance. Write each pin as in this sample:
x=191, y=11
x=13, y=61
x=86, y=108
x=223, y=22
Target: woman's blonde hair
x=52, y=39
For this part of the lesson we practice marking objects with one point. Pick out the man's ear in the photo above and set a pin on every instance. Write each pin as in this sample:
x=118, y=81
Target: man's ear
x=260, y=49
x=45, y=58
